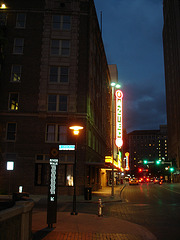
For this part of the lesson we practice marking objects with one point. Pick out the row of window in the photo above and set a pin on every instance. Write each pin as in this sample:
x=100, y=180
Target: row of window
x=54, y=133
x=57, y=74
x=147, y=136
x=58, y=47
x=42, y=171
x=65, y=171
x=59, y=22
x=64, y=176
x=56, y=103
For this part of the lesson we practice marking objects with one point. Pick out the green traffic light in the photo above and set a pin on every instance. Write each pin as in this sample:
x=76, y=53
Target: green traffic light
x=145, y=161
x=171, y=169
x=158, y=162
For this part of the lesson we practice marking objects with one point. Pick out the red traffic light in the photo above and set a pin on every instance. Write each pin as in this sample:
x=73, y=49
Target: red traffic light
x=139, y=169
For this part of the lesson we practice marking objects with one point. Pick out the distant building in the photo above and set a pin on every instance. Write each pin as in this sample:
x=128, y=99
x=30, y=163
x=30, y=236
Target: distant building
x=148, y=145
x=54, y=73
x=171, y=42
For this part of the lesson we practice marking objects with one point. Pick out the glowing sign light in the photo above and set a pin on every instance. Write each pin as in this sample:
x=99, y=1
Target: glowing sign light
x=119, y=126
x=66, y=147
x=53, y=164
x=127, y=161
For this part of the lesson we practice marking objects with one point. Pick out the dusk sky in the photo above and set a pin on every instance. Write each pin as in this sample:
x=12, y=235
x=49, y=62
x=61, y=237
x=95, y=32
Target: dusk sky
x=132, y=36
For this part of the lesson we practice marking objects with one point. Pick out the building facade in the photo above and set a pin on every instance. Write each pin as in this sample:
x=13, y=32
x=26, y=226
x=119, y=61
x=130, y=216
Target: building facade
x=54, y=74
x=150, y=145
x=171, y=43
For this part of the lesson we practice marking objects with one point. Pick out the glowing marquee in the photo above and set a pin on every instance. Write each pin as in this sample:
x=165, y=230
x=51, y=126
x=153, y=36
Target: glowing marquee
x=119, y=126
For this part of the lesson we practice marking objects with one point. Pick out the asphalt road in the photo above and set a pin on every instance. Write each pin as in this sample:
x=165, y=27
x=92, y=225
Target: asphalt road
x=154, y=206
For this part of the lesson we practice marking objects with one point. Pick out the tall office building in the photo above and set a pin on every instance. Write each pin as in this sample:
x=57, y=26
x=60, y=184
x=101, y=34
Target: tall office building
x=171, y=42
x=54, y=74
x=150, y=145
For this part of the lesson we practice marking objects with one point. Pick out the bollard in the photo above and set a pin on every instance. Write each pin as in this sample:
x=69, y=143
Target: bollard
x=100, y=208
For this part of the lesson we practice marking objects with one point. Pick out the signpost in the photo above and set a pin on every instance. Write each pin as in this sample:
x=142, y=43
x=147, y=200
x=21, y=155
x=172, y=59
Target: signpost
x=52, y=192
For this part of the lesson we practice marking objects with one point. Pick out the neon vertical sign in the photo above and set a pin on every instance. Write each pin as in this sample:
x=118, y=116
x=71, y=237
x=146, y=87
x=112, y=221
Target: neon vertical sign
x=127, y=160
x=119, y=124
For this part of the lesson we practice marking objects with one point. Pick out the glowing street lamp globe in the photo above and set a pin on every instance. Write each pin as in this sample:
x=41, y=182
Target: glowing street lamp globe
x=76, y=129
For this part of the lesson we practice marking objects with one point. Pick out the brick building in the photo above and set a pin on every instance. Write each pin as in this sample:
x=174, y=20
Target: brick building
x=54, y=73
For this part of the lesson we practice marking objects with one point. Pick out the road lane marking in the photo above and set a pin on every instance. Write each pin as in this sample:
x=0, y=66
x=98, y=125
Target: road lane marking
x=170, y=190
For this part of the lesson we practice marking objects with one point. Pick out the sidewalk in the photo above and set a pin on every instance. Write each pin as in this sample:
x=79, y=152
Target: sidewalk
x=87, y=226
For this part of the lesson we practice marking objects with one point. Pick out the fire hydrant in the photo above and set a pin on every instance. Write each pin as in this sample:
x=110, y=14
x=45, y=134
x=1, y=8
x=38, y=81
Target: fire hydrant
x=100, y=208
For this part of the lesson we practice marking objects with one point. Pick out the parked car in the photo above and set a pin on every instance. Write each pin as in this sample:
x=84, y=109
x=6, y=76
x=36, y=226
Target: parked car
x=133, y=181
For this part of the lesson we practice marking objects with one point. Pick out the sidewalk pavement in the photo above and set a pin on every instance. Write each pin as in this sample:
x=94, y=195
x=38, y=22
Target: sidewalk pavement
x=86, y=226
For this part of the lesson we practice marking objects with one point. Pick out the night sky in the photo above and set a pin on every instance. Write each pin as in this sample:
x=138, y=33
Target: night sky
x=132, y=36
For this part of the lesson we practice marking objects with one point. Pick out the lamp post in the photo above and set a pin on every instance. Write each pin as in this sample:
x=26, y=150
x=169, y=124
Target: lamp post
x=113, y=85
x=76, y=130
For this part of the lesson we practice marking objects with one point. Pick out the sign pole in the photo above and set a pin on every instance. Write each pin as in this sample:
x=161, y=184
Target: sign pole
x=52, y=190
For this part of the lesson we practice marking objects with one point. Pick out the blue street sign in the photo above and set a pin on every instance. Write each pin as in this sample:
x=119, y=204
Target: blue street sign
x=66, y=147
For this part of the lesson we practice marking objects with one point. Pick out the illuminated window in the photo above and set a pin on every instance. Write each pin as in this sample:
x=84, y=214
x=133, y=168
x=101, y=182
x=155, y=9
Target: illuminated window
x=59, y=74
x=60, y=47
x=11, y=132
x=21, y=20
x=57, y=103
x=69, y=175
x=13, y=101
x=16, y=73
x=61, y=22
x=18, y=46
x=56, y=133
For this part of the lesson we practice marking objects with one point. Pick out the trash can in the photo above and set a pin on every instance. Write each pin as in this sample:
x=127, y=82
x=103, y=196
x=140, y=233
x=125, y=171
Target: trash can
x=88, y=193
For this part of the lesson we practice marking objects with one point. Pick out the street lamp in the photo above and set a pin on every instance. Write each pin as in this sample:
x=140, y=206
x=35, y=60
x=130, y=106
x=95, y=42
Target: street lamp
x=113, y=85
x=76, y=130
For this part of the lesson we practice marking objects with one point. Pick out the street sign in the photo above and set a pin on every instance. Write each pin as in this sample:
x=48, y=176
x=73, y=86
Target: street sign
x=52, y=193
x=66, y=147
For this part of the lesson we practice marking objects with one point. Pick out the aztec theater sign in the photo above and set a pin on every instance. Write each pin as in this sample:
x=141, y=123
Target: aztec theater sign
x=119, y=126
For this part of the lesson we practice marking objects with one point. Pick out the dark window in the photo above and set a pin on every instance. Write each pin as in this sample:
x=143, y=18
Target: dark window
x=52, y=102
x=18, y=46
x=21, y=20
x=61, y=22
x=11, y=131
x=62, y=103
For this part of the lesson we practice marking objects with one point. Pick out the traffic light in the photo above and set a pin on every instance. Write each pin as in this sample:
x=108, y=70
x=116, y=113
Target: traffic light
x=171, y=169
x=145, y=161
x=139, y=169
x=158, y=162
